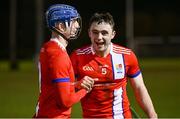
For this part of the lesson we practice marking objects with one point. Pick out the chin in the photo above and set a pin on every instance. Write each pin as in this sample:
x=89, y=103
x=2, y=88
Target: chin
x=100, y=49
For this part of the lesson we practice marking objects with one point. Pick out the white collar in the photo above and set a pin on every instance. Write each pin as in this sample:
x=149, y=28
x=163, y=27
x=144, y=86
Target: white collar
x=111, y=48
x=58, y=42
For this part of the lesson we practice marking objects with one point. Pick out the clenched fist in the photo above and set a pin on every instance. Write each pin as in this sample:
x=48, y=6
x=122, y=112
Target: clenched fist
x=86, y=82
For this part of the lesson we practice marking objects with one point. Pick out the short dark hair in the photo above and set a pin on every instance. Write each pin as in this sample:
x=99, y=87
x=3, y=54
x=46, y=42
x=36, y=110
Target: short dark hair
x=102, y=17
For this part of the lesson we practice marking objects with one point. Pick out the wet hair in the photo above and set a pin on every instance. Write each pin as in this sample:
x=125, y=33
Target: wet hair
x=102, y=17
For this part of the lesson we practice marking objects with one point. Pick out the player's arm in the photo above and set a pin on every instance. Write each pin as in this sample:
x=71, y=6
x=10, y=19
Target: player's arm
x=60, y=72
x=66, y=95
x=142, y=96
x=139, y=88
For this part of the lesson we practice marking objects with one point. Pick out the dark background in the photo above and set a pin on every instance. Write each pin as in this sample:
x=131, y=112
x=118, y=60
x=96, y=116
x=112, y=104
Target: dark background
x=153, y=19
x=156, y=41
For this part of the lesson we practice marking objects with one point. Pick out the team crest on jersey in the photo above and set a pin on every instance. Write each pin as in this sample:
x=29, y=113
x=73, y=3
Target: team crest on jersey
x=103, y=69
x=119, y=68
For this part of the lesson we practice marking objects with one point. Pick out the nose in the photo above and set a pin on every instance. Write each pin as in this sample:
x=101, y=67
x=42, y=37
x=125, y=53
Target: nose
x=99, y=36
x=77, y=24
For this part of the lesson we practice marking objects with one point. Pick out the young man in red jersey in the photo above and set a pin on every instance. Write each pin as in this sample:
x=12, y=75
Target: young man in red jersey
x=56, y=75
x=113, y=65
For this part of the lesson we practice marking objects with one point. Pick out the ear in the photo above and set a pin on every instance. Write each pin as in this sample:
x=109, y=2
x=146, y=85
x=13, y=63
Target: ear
x=113, y=34
x=60, y=27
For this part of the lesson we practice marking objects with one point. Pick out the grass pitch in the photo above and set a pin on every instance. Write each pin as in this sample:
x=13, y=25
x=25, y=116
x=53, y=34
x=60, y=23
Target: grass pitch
x=19, y=89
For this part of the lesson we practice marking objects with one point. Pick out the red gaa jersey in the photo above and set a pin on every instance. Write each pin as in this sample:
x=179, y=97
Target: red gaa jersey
x=108, y=98
x=56, y=76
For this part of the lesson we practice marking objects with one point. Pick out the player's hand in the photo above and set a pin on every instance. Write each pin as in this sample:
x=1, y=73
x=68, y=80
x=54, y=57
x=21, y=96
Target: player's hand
x=87, y=83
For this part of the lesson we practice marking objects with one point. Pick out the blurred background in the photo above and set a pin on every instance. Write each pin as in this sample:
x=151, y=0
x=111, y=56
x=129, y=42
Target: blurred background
x=150, y=27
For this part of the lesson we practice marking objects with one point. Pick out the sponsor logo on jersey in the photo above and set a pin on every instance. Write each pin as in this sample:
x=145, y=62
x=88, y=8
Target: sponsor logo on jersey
x=88, y=68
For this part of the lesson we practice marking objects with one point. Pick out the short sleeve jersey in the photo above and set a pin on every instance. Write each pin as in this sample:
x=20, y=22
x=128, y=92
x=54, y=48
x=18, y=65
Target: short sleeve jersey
x=108, y=98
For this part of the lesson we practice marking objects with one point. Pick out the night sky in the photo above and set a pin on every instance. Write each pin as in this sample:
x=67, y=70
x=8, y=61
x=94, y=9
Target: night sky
x=151, y=18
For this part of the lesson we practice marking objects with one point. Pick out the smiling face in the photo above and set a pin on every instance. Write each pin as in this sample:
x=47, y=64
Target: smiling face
x=101, y=34
x=72, y=30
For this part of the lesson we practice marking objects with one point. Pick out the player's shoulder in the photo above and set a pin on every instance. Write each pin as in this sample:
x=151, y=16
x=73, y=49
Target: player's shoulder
x=84, y=50
x=121, y=49
x=50, y=44
x=51, y=47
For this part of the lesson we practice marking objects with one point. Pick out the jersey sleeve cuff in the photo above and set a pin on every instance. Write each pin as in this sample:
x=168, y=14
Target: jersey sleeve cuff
x=134, y=75
x=60, y=80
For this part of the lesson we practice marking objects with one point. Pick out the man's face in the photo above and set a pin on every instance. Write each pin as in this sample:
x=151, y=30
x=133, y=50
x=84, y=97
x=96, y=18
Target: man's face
x=101, y=35
x=73, y=28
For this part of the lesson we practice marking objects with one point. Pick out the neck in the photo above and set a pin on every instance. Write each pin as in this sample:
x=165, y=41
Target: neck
x=103, y=53
x=60, y=39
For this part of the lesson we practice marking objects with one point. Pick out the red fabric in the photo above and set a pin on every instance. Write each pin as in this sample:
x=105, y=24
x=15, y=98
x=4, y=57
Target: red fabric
x=101, y=101
x=57, y=93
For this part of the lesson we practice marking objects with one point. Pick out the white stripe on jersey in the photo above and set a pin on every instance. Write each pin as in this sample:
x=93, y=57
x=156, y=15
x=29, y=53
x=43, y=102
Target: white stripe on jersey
x=117, y=104
x=39, y=68
x=117, y=62
x=118, y=65
x=87, y=50
x=120, y=50
x=37, y=109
